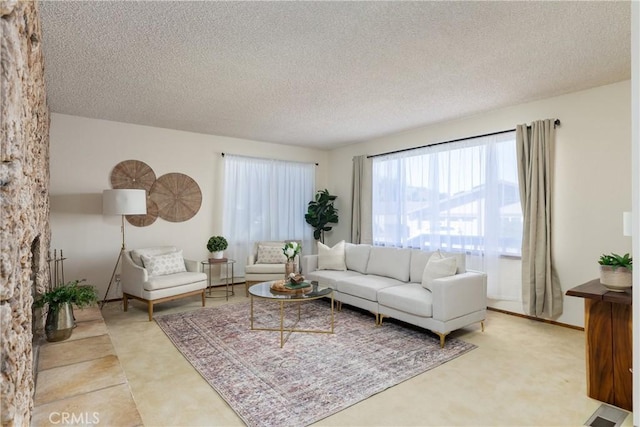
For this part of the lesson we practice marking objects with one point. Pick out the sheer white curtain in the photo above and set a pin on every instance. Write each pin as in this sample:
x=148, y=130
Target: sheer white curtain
x=460, y=196
x=265, y=200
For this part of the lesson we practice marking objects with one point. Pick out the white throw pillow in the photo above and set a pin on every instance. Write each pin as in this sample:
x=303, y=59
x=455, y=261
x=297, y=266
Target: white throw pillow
x=331, y=258
x=161, y=265
x=437, y=267
x=271, y=255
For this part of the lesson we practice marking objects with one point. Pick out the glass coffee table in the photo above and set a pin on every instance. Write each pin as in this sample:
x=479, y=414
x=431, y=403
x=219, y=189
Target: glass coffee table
x=263, y=290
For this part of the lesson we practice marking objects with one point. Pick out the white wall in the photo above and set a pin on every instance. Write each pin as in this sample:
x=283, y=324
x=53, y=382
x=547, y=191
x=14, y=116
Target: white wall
x=83, y=153
x=592, y=182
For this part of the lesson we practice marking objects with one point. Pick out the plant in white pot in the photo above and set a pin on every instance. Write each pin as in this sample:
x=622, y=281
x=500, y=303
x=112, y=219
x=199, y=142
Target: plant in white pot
x=615, y=271
x=216, y=246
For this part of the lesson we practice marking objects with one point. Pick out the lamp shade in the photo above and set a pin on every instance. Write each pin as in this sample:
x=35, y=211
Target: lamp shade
x=124, y=202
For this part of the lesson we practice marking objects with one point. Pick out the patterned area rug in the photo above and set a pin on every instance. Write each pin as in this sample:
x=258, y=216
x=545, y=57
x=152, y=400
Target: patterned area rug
x=314, y=375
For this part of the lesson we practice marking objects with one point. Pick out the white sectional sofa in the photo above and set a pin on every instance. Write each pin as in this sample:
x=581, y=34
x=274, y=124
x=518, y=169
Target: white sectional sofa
x=392, y=282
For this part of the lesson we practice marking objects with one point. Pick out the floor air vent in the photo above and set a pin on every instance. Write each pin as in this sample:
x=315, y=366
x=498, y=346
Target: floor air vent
x=607, y=416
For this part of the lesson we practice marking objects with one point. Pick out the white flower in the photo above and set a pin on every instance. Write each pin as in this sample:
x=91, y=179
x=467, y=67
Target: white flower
x=291, y=249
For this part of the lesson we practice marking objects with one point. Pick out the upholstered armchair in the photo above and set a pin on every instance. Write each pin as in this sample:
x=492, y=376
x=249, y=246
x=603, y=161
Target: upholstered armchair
x=160, y=274
x=266, y=262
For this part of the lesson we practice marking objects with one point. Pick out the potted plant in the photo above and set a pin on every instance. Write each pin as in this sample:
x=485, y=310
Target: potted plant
x=615, y=271
x=60, y=301
x=291, y=250
x=321, y=212
x=216, y=245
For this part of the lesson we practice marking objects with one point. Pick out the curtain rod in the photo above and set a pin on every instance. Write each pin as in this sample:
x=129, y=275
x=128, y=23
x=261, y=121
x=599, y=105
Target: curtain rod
x=276, y=159
x=556, y=123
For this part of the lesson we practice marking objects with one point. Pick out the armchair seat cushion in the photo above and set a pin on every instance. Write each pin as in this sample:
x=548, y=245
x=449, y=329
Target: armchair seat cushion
x=264, y=269
x=411, y=298
x=176, y=279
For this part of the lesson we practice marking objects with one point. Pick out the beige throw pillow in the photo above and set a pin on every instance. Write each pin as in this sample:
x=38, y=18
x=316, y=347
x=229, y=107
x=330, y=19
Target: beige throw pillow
x=271, y=255
x=437, y=267
x=161, y=265
x=331, y=258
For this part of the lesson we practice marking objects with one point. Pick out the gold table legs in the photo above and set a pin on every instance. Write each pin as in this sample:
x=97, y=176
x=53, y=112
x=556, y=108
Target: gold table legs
x=282, y=329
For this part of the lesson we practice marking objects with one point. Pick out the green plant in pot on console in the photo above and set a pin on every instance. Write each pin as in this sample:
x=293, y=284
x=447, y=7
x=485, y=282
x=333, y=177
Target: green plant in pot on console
x=615, y=271
x=60, y=301
x=216, y=245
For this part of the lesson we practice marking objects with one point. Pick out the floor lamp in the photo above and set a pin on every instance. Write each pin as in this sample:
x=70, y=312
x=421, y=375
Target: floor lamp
x=122, y=202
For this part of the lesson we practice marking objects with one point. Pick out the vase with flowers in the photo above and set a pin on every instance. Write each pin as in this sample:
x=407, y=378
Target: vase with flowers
x=291, y=251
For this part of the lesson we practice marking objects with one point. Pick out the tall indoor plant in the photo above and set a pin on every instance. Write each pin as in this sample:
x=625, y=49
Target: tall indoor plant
x=321, y=212
x=60, y=300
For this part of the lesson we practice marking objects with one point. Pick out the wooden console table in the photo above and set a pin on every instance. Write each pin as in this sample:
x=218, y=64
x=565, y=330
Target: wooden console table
x=608, y=341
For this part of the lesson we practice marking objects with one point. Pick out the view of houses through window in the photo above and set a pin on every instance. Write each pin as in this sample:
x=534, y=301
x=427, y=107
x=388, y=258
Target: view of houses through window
x=461, y=196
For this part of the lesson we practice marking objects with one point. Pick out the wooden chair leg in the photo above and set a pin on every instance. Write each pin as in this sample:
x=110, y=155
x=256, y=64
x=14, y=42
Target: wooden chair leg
x=125, y=302
x=150, y=307
x=203, y=297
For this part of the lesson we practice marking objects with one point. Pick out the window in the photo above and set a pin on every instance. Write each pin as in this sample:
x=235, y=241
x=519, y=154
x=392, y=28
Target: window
x=265, y=200
x=460, y=196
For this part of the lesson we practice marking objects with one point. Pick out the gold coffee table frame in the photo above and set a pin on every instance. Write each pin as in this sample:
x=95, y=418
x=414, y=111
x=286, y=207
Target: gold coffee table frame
x=263, y=290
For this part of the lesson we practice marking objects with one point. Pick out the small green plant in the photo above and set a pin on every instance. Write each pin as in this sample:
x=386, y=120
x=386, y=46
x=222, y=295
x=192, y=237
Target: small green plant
x=72, y=292
x=217, y=244
x=614, y=261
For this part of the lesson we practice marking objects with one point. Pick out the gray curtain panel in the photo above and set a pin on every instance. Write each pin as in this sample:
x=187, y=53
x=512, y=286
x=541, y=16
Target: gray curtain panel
x=361, y=218
x=541, y=292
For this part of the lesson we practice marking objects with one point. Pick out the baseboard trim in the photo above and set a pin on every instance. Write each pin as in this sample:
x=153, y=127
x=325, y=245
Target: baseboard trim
x=537, y=319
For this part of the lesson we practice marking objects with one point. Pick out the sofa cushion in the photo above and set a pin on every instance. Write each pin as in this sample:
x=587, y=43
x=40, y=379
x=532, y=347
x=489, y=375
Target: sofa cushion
x=331, y=258
x=329, y=277
x=161, y=265
x=268, y=254
x=356, y=257
x=418, y=263
x=178, y=279
x=411, y=298
x=437, y=267
x=365, y=286
x=136, y=254
x=389, y=262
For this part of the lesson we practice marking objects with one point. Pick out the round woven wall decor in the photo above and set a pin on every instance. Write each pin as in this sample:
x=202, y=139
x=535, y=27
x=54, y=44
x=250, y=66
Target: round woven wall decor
x=132, y=174
x=145, y=220
x=178, y=197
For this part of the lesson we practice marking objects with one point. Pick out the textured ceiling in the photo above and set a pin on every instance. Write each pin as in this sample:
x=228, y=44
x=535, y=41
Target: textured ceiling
x=322, y=74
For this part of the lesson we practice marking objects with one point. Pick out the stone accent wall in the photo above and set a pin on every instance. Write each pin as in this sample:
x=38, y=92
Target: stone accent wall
x=24, y=201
